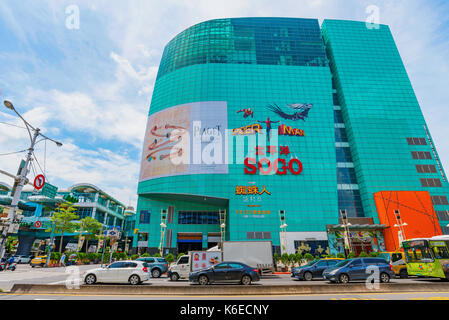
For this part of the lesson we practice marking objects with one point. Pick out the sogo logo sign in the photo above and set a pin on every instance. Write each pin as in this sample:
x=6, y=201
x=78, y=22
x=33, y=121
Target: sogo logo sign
x=294, y=166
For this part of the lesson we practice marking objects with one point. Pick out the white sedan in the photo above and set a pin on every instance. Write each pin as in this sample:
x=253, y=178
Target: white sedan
x=132, y=272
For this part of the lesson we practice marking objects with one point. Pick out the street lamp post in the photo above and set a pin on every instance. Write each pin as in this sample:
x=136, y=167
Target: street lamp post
x=345, y=225
x=400, y=224
x=21, y=179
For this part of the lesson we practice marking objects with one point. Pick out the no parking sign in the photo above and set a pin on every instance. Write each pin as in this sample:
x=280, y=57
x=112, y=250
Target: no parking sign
x=38, y=224
x=39, y=181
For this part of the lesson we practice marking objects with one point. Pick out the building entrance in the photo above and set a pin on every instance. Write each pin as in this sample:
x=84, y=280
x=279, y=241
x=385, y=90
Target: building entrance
x=189, y=242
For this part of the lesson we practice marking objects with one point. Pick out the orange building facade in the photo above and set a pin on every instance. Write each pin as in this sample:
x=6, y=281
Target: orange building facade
x=417, y=216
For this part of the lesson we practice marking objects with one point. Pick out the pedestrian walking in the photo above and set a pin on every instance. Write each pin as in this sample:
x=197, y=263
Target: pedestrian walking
x=62, y=260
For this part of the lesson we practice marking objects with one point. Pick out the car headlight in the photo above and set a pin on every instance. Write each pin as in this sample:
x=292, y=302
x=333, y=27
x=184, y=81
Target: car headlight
x=333, y=272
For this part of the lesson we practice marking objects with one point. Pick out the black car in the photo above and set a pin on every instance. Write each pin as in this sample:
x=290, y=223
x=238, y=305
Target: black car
x=225, y=272
x=314, y=269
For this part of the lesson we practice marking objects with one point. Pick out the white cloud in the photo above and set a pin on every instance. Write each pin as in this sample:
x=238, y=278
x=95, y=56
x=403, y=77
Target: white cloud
x=107, y=71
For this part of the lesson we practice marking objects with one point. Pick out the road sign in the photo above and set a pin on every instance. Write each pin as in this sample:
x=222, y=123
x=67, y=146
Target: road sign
x=49, y=190
x=38, y=224
x=39, y=181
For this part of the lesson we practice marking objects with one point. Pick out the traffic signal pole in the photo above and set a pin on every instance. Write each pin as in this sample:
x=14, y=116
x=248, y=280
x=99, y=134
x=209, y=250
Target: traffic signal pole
x=21, y=181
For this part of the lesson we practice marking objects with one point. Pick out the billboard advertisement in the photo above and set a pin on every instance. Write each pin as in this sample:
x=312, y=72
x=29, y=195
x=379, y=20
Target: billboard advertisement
x=185, y=139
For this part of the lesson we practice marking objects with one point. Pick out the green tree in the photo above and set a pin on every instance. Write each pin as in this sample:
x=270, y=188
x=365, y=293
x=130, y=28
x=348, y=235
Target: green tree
x=351, y=255
x=298, y=257
x=308, y=257
x=276, y=257
x=340, y=255
x=91, y=228
x=10, y=243
x=179, y=255
x=169, y=257
x=157, y=254
x=363, y=254
x=374, y=254
x=291, y=259
x=145, y=255
x=63, y=220
x=284, y=259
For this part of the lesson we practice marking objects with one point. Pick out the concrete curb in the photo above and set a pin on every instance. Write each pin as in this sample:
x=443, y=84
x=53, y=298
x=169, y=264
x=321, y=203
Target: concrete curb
x=225, y=290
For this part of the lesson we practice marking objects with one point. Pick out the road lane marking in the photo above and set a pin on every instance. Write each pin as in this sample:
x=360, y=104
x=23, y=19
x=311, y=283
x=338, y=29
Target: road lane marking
x=208, y=296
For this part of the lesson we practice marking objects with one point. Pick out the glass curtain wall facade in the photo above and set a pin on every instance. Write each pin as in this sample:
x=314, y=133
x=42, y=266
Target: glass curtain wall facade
x=342, y=107
x=388, y=137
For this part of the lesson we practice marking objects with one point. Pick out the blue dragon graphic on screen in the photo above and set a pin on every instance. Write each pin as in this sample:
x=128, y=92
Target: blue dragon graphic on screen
x=301, y=111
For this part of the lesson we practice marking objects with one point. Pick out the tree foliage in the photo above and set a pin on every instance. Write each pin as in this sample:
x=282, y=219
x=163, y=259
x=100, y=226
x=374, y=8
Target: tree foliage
x=91, y=228
x=63, y=219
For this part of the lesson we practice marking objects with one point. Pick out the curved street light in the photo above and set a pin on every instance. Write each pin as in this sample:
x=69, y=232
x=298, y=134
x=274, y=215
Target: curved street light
x=21, y=178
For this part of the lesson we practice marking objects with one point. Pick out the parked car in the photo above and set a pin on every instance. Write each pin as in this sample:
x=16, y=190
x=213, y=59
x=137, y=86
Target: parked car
x=38, y=261
x=132, y=272
x=356, y=269
x=157, y=265
x=314, y=269
x=397, y=261
x=22, y=259
x=228, y=271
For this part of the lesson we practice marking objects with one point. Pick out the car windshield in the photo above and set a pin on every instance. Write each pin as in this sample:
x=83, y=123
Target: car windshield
x=311, y=263
x=343, y=263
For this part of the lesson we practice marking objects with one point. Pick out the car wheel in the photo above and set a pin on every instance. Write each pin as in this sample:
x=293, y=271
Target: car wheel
x=174, y=277
x=155, y=273
x=134, y=280
x=403, y=274
x=203, y=280
x=32, y=266
x=343, y=278
x=246, y=280
x=384, y=277
x=308, y=276
x=90, y=279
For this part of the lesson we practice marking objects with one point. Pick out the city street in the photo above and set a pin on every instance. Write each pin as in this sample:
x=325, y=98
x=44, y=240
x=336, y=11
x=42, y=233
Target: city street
x=24, y=274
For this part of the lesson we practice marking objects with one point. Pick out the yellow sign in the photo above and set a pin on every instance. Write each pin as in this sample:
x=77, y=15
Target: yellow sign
x=253, y=211
x=249, y=190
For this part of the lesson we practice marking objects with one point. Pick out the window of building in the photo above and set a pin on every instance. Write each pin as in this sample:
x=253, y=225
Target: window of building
x=426, y=168
x=421, y=155
x=443, y=215
x=439, y=200
x=350, y=201
x=445, y=229
x=110, y=220
x=346, y=176
x=145, y=216
x=335, y=99
x=258, y=235
x=340, y=135
x=198, y=217
x=338, y=116
x=83, y=212
x=417, y=141
x=343, y=154
x=99, y=216
x=430, y=182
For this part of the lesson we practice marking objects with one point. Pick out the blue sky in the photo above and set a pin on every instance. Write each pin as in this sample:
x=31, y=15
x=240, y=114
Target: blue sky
x=91, y=87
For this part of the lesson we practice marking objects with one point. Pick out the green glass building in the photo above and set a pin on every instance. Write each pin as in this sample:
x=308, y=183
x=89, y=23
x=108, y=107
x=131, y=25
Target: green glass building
x=267, y=128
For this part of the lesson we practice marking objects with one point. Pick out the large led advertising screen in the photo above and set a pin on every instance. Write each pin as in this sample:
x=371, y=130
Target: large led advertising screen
x=185, y=139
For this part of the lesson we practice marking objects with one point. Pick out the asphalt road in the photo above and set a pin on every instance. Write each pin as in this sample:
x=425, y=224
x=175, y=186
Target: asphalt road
x=24, y=274
x=347, y=297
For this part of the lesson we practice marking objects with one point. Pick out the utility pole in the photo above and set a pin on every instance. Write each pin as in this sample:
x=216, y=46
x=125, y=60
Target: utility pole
x=17, y=192
x=21, y=179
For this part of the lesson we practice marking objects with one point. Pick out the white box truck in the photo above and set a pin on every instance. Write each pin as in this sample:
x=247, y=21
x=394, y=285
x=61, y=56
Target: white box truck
x=193, y=261
x=256, y=254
